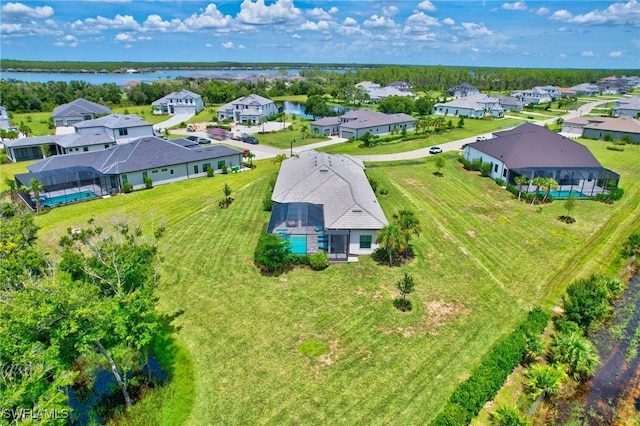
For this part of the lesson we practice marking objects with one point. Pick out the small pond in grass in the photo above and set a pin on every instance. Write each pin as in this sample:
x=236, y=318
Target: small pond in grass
x=96, y=403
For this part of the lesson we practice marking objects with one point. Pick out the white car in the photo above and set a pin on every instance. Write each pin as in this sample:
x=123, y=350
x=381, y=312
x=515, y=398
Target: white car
x=435, y=150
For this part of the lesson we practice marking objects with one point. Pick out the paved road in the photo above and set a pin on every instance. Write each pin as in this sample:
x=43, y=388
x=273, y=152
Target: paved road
x=264, y=151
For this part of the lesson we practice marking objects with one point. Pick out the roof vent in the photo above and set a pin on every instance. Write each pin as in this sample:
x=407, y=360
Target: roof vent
x=356, y=210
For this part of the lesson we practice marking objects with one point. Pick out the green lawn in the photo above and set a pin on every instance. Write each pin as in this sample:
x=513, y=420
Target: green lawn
x=482, y=260
x=471, y=128
x=37, y=121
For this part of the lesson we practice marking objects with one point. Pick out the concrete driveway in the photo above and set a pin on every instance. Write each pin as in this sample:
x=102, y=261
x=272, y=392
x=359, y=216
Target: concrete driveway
x=173, y=120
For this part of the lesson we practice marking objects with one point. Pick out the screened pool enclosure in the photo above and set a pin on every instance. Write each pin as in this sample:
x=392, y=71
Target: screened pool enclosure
x=66, y=185
x=302, y=225
x=579, y=182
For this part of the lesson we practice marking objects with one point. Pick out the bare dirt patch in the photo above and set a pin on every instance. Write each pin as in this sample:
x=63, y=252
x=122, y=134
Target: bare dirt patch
x=471, y=233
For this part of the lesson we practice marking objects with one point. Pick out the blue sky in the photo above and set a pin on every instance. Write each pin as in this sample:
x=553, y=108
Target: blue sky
x=541, y=34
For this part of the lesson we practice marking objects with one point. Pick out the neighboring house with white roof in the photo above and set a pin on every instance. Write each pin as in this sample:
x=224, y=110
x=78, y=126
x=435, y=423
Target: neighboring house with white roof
x=182, y=102
x=533, y=96
x=586, y=89
x=324, y=202
x=90, y=135
x=356, y=123
x=376, y=93
x=70, y=178
x=4, y=118
x=627, y=107
x=600, y=127
x=250, y=109
x=77, y=111
x=474, y=106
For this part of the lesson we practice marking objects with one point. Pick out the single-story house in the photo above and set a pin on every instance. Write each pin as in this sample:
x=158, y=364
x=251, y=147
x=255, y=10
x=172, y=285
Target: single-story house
x=250, y=109
x=613, y=86
x=401, y=85
x=567, y=93
x=182, y=102
x=90, y=135
x=376, y=93
x=324, y=202
x=4, y=118
x=509, y=103
x=69, y=178
x=534, y=151
x=627, y=107
x=356, y=123
x=586, y=89
x=615, y=128
x=463, y=90
x=77, y=111
x=474, y=106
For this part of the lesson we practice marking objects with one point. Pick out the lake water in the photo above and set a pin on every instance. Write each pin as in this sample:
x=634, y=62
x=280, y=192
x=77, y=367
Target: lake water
x=296, y=108
x=102, y=78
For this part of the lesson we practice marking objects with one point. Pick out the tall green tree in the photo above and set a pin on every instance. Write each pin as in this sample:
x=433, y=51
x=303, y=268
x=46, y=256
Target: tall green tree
x=35, y=188
x=538, y=182
x=409, y=225
x=521, y=181
x=549, y=185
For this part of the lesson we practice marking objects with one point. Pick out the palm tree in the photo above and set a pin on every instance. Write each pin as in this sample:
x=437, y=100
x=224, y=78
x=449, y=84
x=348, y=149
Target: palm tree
x=409, y=224
x=521, y=181
x=427, y=123
x=538, y=182
x=13, y=189
x=544, y=380
x=508, y=416
x=35, y=187
x=391, y=238
x=304, y=131
x=575, y=351
x=250, y=156
x=549, y=184
x=438, y=122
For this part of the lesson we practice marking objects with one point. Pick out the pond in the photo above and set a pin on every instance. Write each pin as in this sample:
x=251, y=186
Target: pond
x=297, y=108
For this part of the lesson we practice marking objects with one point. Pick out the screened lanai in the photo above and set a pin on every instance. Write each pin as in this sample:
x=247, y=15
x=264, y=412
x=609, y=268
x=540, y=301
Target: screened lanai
x=302, y=224
x=66, y=185
x=579, y=182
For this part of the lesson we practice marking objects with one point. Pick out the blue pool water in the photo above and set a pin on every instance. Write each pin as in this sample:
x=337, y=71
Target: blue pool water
x=298, y=243
x=567, y=194
x=66, y=198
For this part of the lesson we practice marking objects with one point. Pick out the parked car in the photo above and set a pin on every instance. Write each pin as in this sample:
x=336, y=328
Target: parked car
x=203, y=141
x=192, y=138
x=481, y=138
x=435, y=150
x=250, y=139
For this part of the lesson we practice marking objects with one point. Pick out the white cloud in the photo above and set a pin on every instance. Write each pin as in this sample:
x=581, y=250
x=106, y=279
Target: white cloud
x=241, y=46
x=155, y=23
x=542, y=11
x=616, y=14
x=228, y=45
x=277, y=13
x=296, y=36
x=427, y=5
x=313, y=26
x=208, y=45
x=588, y=54
x=210, y=18
x=615, y=54
x=69, y=37
x=120, y=22
x=390, y=11
x=379, y=22
x=123, y=37
x=19, y=10
x=518, y=5
x=128, y=46
x=563, y=29
x=474, y=30
x=320, y=14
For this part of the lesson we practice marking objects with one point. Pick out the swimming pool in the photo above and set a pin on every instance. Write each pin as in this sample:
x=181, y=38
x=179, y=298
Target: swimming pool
x=298, y=243
x=65, y=198
x=566, y=194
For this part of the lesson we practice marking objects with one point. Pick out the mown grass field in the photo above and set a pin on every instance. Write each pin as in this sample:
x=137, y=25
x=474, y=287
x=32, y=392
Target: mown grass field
x=483, y=259
x=471, y=128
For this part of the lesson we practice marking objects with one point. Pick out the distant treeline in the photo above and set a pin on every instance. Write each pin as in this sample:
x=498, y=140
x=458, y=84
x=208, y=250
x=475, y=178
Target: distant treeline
x=426, y=81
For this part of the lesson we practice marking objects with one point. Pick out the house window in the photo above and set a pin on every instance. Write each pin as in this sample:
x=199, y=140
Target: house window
x=164, y=170
x=125, y=179
x=171, y=171
x=106, y=146
x=123, y=132
x=365, y=241
x=195, y=168
x=504, y=172
x=144, y=175
x=220, y=164
x=85, y=148
x=206, y=166
x=495, y=168
x=154, y=172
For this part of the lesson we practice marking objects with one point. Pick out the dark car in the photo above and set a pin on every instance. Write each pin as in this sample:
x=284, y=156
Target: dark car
x=250, y=139
x=192, y=138
x=435, y=150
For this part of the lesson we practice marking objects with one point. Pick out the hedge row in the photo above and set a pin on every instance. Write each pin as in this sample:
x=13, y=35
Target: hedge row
x=469, y=397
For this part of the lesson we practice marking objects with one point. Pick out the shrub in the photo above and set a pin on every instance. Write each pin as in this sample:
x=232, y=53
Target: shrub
x=383, y=192
x=466, y=164
x=319, y=261
x=209, y=171
x=224, y=169
x=500, y=181
x=485, y=169
x=380, y=255
x=126, y=187
x=401, y=304
x=631, y=247
x=513, y=189
x=566, y=219
x=148, y=183
x=587, y=301
x=615, y=148
x=272, y=255
x=564, y=325
x=476, y=164
x=267, y=204
x=299, y=259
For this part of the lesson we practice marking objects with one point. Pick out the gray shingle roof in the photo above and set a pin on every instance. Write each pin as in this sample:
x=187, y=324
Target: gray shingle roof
x=141, y=154
x=337, y=182
x=182, y=94
x=529, y=145
x=114, y=121
x=80, y=107
x=70, y=140
x=364, y=118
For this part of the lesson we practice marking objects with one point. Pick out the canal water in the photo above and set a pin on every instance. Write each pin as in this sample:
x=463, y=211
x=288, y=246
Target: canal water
x=618, y=351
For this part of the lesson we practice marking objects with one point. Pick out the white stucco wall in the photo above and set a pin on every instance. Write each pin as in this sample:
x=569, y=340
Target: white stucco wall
x=354, y=241
x=498, y=169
